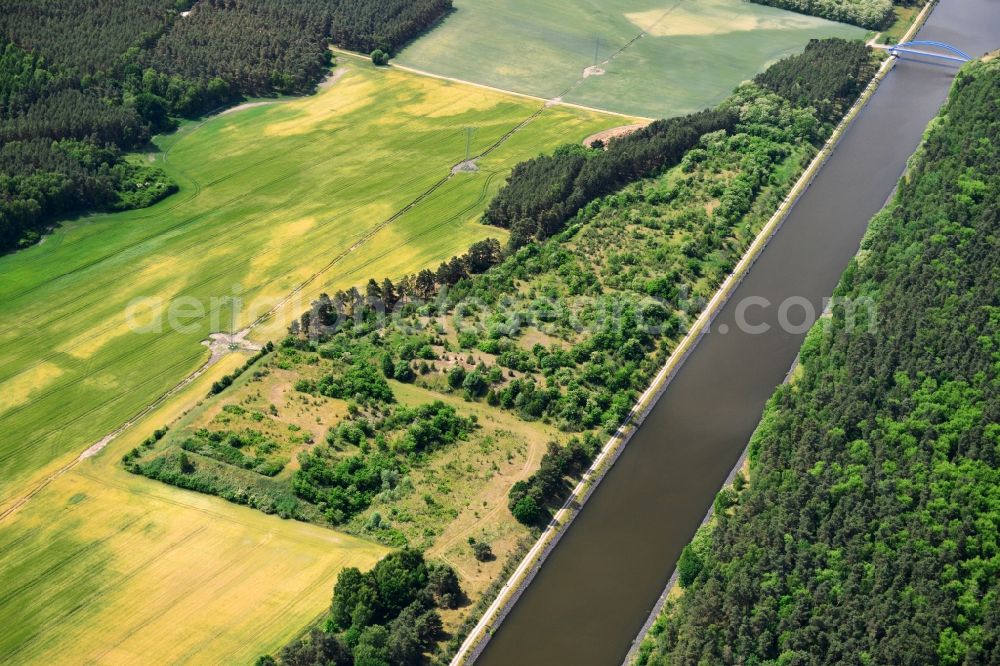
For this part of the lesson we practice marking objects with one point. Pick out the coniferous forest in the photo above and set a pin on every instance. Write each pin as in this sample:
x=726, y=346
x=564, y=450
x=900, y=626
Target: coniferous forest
x=81, y=82
x=868, y=530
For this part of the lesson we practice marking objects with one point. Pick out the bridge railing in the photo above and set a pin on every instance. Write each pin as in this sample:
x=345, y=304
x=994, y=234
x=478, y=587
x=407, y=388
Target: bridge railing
x=957, y=55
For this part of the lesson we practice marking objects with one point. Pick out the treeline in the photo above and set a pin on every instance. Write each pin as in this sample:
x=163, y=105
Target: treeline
x=227, y=380
x=868, y=533
x=828, y=75
x=543, y=193
x=326, y=313
x=870, y=14
x=530, y=500
x=112, y=73
x=387, y=25
x=387, y=616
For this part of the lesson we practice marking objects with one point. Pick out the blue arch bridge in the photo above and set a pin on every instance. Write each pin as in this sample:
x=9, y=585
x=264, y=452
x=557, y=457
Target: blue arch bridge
x=920, y=48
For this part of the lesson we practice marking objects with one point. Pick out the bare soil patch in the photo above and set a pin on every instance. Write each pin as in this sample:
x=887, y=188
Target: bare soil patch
x=246, y=105
x=613, y=133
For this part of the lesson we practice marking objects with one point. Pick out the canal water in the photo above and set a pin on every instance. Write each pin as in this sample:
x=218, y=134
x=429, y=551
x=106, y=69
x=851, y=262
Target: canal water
x=592, y=595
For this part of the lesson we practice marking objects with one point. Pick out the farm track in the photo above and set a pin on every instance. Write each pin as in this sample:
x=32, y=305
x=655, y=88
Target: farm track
x=21, y=501
x=294, y=171
x=194, y=375
x=229, y=229
x=206, y=278
x=558, y=98
x=139, y=352
x=531, y=461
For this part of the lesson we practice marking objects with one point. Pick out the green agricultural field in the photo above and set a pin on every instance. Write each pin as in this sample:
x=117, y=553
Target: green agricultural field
x=691, y=54
x=301, y=192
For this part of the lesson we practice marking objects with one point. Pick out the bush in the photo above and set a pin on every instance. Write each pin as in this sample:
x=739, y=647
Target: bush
x=403, y=372
x=361, y=382
x=527, y=511
x=688, y=566
x=482, y=551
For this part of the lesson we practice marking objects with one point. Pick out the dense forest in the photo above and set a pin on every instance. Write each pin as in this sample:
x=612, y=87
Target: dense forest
x=868, y=530
x=60, y=149
x=828, y=75
x=81, y=82
x=542, y=194
x=871, y=14
x=86, y=36
x=259, y=47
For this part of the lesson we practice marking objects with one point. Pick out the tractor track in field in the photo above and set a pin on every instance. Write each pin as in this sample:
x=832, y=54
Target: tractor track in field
x=100, y=591
x=221, y=268
x=225, y=232
x=451, y=173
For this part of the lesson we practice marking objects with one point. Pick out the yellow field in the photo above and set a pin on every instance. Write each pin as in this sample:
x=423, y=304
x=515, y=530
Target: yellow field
x=106, y=567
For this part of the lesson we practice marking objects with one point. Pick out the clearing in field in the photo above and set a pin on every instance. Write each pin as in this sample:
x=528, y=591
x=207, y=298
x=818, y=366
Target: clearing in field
x=467, y=480
x=313, y=192
x=643, y=57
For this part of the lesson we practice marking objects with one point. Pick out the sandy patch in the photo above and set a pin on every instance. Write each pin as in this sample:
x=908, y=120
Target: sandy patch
x=612, y=133
x=246, y=105
x=708, y=18
x=332, y=77
x=264, y=262
x=308, y=113
x=18, y=389
x=468, y=166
